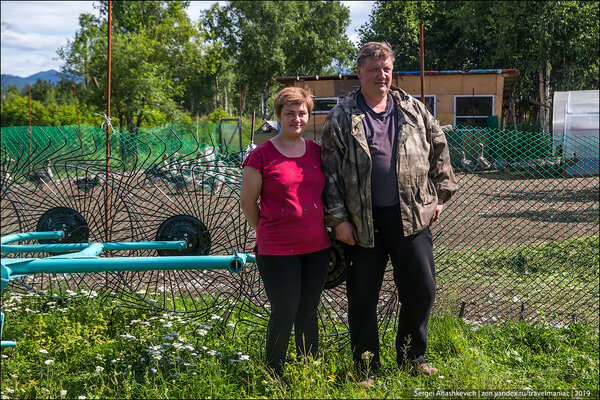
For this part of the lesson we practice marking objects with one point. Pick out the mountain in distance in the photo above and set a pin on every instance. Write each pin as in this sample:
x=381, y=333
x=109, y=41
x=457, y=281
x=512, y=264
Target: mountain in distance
x=51, y=76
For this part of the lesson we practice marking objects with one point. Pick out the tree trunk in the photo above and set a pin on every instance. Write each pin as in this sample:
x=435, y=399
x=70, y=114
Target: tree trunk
x=130, y=124
x=542, y=115
x=244, y=94
x=547, y=98
x=139, y=120
x=121, y=122
x=265, y=99
x=513, y=112
x=217, y=101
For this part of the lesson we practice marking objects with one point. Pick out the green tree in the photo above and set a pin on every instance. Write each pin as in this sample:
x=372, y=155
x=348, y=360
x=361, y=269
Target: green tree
x=41, y=91
x=151, y=45
x=556, y=49
x=266, y=39
x=554, y=44
x=15, y=112
x=454, y=33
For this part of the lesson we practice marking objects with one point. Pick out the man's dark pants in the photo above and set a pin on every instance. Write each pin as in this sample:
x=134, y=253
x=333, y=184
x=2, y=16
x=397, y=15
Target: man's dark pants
x=414, y=276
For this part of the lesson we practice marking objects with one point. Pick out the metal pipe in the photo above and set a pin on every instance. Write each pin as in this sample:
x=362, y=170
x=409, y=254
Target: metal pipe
x=22, y=267
x=5, y=343
x=108, y=123
x=16, y=237
x=422, y=68
x=252, y=133
x=29, y=86
x=30, y=136
x=92, y=250
x=76, y=106
x=65, y=247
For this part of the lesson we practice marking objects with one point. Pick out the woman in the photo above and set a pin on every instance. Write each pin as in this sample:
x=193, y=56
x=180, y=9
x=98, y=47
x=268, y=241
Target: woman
x=292, y=244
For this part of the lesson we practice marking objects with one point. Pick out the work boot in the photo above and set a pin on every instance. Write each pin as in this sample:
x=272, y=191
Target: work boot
x=422, y=369
x=366, y=383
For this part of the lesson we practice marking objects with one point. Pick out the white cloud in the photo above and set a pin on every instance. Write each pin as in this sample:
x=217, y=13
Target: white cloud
x=31, y=41
x=32, y=31
x=196, y=6
x=359, y=15
x=46, y=17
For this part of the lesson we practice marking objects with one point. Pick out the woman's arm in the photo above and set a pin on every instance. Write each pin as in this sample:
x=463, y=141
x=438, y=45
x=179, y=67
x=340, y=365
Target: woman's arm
x=251, y=188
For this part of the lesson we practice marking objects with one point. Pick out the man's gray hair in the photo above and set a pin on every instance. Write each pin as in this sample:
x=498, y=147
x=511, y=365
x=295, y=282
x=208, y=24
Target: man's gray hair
x=376, y=50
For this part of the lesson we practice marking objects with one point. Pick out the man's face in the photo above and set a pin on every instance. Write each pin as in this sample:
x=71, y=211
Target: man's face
x=375, y=77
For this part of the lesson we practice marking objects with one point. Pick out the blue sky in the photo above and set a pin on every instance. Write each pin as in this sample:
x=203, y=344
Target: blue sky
x=32, y=31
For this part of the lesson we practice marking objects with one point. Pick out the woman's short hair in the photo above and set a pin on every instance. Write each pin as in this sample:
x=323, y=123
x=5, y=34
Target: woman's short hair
x=376, y=50
x=293, y=96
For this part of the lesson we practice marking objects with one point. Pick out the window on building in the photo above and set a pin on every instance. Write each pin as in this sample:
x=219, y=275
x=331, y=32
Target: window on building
x=324, y=104
x=429, y=102
x=473, y=110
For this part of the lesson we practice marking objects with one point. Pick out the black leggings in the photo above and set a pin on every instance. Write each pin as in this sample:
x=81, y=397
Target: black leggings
x=293, y=284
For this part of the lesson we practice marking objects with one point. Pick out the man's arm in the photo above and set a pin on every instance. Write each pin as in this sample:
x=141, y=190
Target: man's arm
x=332, y=154
x=440, y=168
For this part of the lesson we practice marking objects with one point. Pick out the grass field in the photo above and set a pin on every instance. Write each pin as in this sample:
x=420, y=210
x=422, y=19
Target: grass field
x=92, y=348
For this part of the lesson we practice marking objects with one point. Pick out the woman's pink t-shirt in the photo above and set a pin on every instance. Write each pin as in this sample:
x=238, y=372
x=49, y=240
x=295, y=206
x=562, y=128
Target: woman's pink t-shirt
x=291, y=208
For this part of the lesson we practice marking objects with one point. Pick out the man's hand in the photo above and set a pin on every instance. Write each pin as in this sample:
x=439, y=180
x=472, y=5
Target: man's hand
x=438, y=211
x=346, y=233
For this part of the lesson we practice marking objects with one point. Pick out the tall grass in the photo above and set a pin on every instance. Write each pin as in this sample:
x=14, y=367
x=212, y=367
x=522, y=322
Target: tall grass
x=93, y=348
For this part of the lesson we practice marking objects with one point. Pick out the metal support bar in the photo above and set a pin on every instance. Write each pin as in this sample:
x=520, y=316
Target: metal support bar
x=16, y=237
x=65, y=247
x=86, y=259
x=55, y=265
x=5, y=343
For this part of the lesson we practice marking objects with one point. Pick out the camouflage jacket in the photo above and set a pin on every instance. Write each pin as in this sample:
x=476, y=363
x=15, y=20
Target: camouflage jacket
x=422, y=165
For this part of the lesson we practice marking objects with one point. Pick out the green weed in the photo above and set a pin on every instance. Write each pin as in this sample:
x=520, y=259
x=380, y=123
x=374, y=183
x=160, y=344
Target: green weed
x=90, y=349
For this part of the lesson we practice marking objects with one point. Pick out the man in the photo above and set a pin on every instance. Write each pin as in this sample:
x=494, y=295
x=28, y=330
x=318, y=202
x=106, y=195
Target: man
x=388, y=175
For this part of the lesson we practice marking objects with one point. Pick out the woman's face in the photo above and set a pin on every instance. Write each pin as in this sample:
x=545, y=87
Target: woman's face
x=293, y=119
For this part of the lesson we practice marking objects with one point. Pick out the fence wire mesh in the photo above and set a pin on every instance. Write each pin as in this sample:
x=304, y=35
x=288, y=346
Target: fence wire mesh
x=519, y=239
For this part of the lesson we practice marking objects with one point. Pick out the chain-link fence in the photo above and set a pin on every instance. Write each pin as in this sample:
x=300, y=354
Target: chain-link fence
x=138, y=150
x=519, y=239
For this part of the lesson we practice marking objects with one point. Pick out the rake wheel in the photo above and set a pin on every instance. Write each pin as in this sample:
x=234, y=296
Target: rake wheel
x=156, y=189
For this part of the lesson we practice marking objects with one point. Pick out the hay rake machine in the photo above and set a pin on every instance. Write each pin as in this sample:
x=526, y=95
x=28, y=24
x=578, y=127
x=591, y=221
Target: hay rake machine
x=86, y=259
x=122, y=223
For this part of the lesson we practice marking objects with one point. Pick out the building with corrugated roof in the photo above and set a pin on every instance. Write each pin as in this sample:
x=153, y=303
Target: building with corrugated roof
x=476, y=97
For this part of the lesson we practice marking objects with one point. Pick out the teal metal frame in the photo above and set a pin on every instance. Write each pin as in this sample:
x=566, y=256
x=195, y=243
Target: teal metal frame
x=84, y=257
